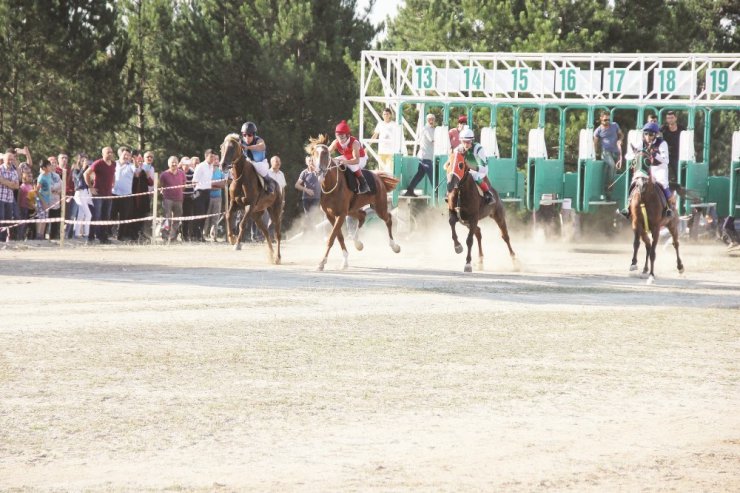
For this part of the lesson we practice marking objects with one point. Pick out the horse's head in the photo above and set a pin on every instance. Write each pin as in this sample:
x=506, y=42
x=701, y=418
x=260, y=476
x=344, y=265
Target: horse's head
x=231, y=151
x=319, y=152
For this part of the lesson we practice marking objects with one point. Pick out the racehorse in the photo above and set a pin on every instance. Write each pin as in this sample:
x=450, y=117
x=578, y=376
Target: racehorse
x=338, y=200
x=246, y=193
x=646, y=212
x=466, y=205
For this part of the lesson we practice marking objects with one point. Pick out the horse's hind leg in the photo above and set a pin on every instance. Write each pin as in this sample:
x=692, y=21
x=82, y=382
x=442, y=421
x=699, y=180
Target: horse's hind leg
x=360, y=217
x=381, y=209
x=673, y=228
x=276, y=216
x=500, y=217
x=257, y=218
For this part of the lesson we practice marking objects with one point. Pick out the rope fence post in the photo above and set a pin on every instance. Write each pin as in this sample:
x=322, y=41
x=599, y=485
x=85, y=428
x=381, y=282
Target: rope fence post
x=62, y=225
x=154, y=205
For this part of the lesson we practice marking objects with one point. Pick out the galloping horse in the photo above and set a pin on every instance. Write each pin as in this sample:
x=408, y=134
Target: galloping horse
x=339, y=201
x=245, y=192
x=646, y=211
x=467, y=206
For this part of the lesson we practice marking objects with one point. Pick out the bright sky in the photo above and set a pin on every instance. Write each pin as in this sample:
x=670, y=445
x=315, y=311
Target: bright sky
x=382, y=9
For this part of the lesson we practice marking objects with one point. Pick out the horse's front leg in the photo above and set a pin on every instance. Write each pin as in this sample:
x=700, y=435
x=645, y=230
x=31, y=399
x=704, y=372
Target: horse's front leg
x=453, y=219
x=229, y=214
x=336, y=232
x=469, y=243
x=242, y=227
x=635, y=248
x=653, y=247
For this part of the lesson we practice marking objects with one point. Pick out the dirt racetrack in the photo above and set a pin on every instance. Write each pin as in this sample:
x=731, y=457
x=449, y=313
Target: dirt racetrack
x=197, y=368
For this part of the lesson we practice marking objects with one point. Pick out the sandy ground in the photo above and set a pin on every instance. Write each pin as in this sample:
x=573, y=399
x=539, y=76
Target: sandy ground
x=194, y=367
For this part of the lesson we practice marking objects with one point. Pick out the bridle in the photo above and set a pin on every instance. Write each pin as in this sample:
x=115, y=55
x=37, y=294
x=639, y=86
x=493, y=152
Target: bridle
x=323, y=170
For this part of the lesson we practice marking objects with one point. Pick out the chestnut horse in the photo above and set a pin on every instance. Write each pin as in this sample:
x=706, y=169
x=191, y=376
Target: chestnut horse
x=465, y=205
x=339, y=201
x=646, y=212
x=246, y=193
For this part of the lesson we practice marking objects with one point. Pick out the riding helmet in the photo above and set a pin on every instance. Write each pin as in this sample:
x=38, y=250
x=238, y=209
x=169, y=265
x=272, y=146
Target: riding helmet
x=249, y=128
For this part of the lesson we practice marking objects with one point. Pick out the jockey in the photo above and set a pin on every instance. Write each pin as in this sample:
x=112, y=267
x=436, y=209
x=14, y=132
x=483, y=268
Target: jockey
x=657, y=150
x=352, y=153
x=254, y=149
x=475, y=158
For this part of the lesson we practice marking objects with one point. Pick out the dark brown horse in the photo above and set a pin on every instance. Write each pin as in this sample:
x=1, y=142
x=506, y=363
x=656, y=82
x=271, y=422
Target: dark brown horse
x=466, y=205
x=246, y=192
x=646, y=211
x=339, y=201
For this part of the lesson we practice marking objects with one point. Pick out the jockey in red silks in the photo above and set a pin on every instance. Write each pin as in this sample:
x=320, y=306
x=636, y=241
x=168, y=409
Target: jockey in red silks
x=351, y=153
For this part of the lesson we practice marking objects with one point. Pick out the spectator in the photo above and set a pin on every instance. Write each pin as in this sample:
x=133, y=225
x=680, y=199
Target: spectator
x=123, y=206
x=218, y=182
x=43, y=197
x=141, y=199
x=202, y=177
x=187, y=197
x=426, y=156
x=386, y=132
x=609, y=137
x=277, y=175
x=671, y=132
x=9, y=182
x=172, y=181
x=82, y=197
x=100, y=177
x=26, y=204
x=55, y=208
x=462, y=123
x=310, y=188
x=69, y=191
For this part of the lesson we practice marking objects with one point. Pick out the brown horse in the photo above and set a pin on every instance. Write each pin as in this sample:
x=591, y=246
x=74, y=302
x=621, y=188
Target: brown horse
x=467, y=206
x=339, y=201
x=646, y=211
x=245, y=192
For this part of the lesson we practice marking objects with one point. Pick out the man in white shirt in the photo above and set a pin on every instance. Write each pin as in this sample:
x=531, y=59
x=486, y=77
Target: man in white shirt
x=387, y=134
x=123, y=207
x=426, y=156
x=277, y=175
x=202, y=177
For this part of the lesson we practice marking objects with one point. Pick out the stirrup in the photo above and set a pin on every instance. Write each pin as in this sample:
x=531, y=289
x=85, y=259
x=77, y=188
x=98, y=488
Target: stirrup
x=489, y=198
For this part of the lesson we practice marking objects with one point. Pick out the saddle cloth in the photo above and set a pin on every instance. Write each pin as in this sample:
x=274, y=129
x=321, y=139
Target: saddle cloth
x=352, y=180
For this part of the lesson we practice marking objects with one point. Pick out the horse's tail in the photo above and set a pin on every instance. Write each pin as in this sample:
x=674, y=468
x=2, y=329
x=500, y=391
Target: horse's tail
x=685, y=193
x=390, y=182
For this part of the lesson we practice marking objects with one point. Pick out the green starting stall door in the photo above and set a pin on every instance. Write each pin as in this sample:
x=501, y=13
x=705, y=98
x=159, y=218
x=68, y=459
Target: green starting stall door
x=718, y=192
x=405, y=168
x=505, y=178
x=733, y=204
x=544, y=176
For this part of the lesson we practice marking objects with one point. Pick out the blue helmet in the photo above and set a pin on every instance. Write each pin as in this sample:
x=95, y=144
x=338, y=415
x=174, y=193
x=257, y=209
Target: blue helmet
x=651, y=127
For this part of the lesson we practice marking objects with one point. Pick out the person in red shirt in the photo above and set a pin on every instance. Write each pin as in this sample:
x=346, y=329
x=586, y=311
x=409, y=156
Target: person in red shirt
x=351, y=153
x=462, y=123
x=99, y=178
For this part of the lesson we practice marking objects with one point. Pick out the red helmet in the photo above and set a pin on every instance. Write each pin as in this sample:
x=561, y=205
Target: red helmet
x=462, y=119
x=342, y=128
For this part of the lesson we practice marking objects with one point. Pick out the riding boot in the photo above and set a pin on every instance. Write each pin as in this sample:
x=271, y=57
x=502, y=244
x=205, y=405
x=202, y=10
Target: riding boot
x=364, y=188
x=670, y=205
x=268, y=185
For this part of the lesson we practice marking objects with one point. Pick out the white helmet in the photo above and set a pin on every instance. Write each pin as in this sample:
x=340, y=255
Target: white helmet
x=467, y=134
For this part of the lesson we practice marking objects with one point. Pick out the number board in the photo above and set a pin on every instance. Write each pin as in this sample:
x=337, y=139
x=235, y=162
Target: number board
x=575, y=80
x=671, y=81
x=723, y=81
x=623, y=81
x=520, y=79
x=424, y=78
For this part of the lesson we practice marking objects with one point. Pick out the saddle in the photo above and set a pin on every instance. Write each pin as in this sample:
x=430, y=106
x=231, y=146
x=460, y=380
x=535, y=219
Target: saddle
x=352, y=180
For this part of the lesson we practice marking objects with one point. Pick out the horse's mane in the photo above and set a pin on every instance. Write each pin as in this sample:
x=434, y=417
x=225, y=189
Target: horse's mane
x=232, y=137
x=322, y=139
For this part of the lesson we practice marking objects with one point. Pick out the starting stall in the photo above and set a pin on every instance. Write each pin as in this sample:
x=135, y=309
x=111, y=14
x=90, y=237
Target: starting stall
x=535, y=115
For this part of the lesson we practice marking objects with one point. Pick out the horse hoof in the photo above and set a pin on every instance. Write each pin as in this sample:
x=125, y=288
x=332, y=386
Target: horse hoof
x=345, y=265
x=237, y=247
x=468, y=268
x=458, y=248
x=517, y=265
x=680, y=270
x=650, y=280
x=633, y=267
x=358, y=245
x=320, y=267
x=277, y=261
x=395, y=248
